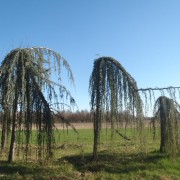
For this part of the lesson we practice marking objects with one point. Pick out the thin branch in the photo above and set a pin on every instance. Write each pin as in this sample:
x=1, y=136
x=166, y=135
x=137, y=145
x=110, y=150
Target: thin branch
x=157, y=89
x=60, y=117
x=123, y=136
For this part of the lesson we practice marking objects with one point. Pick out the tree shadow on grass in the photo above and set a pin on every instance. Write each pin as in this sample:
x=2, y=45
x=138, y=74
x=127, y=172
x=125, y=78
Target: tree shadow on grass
x=27, y=170
x=115, y=163
x=11, y=168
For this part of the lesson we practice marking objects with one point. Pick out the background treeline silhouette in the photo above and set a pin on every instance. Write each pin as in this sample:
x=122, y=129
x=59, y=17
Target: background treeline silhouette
x=84, y=116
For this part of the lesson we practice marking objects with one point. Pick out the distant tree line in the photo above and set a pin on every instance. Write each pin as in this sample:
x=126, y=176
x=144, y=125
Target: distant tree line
x=85, y=116
x=82, y=116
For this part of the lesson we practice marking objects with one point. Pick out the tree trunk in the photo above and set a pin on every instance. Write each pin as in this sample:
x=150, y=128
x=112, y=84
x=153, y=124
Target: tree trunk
x=96, y=137
x=112, y=126
x=13, y=133
x=163, y=131
x=5, y=127
x=4, y=134
x=97, y=129
x=113, y=119
x=97, y=122
x=28, y=116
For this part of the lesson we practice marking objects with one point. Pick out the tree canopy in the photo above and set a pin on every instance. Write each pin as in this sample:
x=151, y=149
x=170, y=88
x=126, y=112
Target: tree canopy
x=112, y=90
x=28, y=96
x=167, y=112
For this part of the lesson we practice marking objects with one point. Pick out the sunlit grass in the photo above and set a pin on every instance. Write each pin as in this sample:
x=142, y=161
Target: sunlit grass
x=118, y=159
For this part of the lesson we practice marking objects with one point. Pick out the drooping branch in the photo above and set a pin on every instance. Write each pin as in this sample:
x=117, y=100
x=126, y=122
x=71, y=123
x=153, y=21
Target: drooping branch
x=113, y=91
x=31, y=70
x=166, y=110
x=123, y=136
x=158, y=89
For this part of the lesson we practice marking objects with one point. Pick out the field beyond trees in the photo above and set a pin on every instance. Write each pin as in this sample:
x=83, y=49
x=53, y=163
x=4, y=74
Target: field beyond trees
x=120, y=159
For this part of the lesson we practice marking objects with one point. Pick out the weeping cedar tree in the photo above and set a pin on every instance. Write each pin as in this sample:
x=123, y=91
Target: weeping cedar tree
x=112, y=91
x=167, y=112
x=28, y=96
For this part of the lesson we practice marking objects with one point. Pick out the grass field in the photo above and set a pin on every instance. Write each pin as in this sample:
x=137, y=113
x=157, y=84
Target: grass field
x=118, y=159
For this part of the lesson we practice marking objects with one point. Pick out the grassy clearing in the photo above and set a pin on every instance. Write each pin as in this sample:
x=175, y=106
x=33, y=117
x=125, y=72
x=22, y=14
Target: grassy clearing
x=120, y=159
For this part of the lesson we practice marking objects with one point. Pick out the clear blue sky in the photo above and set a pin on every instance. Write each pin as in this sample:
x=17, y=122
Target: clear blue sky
x=143, y=35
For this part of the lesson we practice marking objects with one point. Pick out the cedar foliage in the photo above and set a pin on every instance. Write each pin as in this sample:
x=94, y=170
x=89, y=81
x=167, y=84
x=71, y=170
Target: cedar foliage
x=167, y=113
x=164, y=103
x=113, y=90
x=27, y=97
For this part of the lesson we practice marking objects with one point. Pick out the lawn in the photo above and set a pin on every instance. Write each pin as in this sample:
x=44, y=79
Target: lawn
x=118, y=159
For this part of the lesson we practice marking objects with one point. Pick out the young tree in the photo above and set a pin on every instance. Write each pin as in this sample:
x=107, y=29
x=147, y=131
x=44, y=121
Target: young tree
x=167, y=112
x=112, y=90
x=27, y=96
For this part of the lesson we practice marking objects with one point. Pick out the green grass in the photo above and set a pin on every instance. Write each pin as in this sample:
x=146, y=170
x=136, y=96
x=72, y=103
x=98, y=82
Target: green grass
x=120, y=159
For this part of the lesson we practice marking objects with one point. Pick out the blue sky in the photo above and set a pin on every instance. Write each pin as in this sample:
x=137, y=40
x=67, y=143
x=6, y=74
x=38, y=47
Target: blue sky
x=143, y=35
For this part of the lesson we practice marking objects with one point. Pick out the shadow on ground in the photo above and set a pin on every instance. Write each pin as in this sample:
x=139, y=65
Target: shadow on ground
x=28, y=170
x=114, y=163
x=70, y=167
